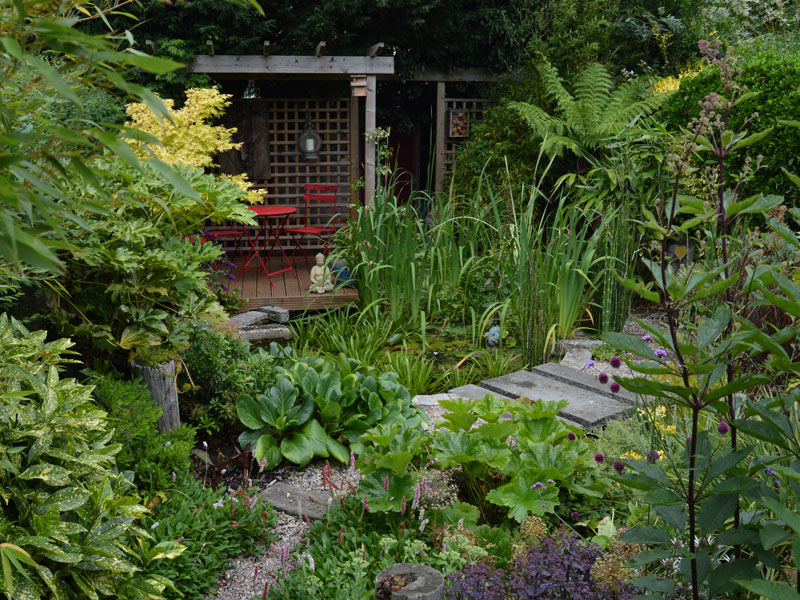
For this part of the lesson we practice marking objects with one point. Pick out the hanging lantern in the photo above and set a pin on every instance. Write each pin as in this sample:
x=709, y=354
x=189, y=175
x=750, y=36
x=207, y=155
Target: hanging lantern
x=309, y=143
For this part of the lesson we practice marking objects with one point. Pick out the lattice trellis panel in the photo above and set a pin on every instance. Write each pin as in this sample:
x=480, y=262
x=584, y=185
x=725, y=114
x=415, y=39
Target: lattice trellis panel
x=475, y=106
x=289, y=172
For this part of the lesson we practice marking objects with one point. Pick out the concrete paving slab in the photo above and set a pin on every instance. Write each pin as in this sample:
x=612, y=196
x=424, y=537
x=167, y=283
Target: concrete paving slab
x=248, y=319
x=275, y=313
x=291, y=499
x=587, y=408
x=583, y=380
x=576, y=358
x=474, y=392
x=431, y=399
x=279, y=333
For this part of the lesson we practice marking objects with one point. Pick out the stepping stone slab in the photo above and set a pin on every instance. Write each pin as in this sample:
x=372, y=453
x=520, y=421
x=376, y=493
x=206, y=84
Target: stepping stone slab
x=275, y=313
x=247, y=319
x=576, y=358
x=475, y=392
x=267, y=332
x=588, y=408
x=432, y=399
x=288, y=498
x=583, y=380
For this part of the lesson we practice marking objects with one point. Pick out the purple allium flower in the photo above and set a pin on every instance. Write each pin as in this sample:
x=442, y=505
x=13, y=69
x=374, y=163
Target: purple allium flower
x=652, y=456
x=538, y=484
x=723, y=428
x=230, y=264
x=646, y=338
x=230, y=276
x=550, y=481
x=757, y=479
x=776, y=483
x=614, y=386
x=688, y=440
x=769, y=471
x=572, y=437
x=602, y=378
x=598, y=458
x=661, y=353
x=618, y=466
x=590, y=364
x=574, y=515
x=615, y=362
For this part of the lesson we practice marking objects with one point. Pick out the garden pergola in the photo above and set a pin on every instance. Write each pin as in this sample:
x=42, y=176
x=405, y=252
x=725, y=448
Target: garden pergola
x=362, y=73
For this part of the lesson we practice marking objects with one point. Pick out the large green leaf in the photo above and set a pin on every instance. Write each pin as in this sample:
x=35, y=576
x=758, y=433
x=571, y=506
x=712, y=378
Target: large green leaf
x=337, y=450
x=50, y=474
x=64, y=500
x=774, y=590
x=249, y=412
x=298, y=449
x=267, y=450
x=523, y=501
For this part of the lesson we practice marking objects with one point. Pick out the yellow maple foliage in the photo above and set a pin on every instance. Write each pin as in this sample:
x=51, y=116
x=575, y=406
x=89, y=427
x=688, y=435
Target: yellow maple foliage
x=189, y=138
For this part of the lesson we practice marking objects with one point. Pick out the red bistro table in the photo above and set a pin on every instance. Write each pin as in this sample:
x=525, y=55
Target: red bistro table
x=267, y=230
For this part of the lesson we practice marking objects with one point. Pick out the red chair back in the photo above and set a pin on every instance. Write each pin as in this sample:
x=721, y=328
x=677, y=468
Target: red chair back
x=315, y=198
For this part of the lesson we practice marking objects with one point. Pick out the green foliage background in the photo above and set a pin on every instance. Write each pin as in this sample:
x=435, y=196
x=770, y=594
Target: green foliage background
x=776, y=78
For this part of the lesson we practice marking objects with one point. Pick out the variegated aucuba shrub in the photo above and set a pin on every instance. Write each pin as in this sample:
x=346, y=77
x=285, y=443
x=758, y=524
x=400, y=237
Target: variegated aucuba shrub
x=68, y=512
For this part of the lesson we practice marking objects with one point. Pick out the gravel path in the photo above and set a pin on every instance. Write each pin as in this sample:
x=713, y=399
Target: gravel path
x=246, y=577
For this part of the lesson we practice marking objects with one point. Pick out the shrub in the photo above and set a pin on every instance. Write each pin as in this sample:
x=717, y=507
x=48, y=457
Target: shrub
x=65, y=504
x=214, y=526
x=154, y=457
x=220, y=367
x=776, y=78
x=559, y=566
x=318, y=404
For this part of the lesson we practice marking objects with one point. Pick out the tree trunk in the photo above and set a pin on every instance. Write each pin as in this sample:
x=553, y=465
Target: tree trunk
x=161, y=383
x=415, y=582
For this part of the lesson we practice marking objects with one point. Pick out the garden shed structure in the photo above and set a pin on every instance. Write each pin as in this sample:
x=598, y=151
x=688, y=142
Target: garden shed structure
x=339, y=120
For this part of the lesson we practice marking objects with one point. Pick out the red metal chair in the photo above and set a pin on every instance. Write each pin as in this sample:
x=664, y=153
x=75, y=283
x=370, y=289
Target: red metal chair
x=315, y=195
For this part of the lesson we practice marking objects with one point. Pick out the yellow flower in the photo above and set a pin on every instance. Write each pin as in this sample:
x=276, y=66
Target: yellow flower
x=632, y=455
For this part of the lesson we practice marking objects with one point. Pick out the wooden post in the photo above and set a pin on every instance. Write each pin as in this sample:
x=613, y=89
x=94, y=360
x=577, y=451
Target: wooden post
x=440, y=139
x=369, y=145
x=409, y=582
x=355, y=153
x=161, y=383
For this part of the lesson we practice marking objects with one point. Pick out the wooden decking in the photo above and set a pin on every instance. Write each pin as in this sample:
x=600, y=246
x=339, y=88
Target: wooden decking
x=286, y=291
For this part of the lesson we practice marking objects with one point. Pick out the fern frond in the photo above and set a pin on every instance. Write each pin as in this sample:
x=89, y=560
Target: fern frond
x=554, y=88
x=624, y=107
x=538, y=120
x=592, y=91
x=556, y=144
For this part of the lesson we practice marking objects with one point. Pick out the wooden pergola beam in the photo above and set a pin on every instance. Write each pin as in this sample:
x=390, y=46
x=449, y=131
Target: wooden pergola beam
x=254, y=66
x=210, y=47
x=266, y=48
x=320, y=49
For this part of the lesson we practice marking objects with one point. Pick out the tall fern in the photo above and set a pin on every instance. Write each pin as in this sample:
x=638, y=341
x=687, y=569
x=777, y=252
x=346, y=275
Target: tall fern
x=594, y=111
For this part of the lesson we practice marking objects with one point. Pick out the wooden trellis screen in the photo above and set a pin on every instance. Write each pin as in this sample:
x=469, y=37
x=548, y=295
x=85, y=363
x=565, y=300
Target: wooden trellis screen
x=289, y=172
x=475, y=106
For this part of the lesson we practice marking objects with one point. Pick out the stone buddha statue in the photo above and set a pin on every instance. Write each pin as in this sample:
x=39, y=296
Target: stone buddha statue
x=321, y=277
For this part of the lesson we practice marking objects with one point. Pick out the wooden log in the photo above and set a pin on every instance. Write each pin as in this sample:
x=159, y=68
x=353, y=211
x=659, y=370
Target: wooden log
x=161, y=383
x=409, y=582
